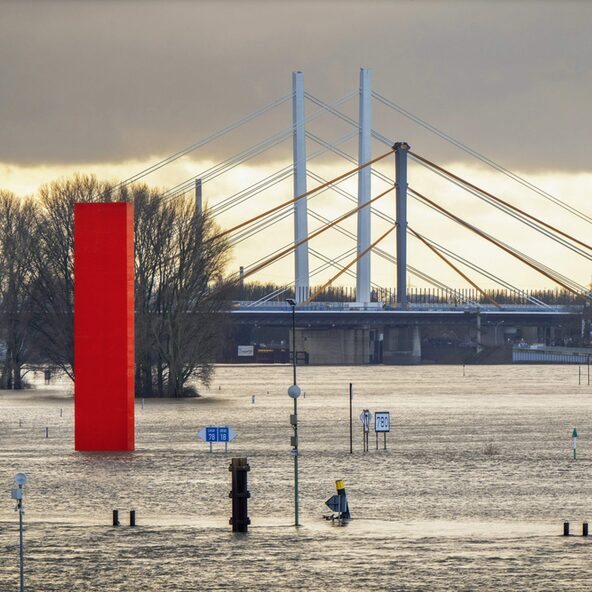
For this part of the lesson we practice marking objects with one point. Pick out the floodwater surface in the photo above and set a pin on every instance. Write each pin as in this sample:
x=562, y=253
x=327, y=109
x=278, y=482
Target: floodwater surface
x=470, y=494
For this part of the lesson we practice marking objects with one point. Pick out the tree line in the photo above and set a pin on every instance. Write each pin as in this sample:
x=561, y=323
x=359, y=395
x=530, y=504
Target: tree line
x=179, y=291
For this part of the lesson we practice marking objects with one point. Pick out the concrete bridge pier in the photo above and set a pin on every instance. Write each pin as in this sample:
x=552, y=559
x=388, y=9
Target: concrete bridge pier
x=334, y=345
x=402, y=345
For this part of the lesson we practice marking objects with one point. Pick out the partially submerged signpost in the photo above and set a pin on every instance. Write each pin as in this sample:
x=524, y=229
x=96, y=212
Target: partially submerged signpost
x=213, y=434
x=365, y=418
x=382, y=423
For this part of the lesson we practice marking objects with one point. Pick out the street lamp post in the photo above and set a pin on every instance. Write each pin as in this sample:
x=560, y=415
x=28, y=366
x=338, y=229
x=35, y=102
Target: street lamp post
x=294, y=393
x=18, y=494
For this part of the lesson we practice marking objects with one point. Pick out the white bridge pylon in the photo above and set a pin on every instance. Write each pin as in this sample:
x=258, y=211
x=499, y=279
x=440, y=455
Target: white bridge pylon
x=364, y=229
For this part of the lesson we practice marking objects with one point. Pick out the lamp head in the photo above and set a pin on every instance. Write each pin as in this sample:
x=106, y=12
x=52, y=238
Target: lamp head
x=20, y=479
x=291, y=301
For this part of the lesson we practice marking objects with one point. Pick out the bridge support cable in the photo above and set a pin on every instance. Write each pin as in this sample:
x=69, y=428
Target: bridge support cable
x=250, y=152
x=306, y=194
x=201, y=143
x=524, y=220
x=317, y=291
x=575, y=286
x=485, y=273
x=412, y=270
x=316, y=233
x=346, y=118
x=392, y=259
x=452, y=266
x=461, y=182
x=484, y=159
x=267, y=182
x=543, y=270
x=315, y=271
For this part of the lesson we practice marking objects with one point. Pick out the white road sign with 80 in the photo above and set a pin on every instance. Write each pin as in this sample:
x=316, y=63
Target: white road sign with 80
x=382, y=421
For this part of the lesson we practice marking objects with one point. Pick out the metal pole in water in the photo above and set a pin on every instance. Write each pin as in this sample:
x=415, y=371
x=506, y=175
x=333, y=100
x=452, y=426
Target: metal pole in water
x=574, y=442
x=18, y=494
x=294, y=393
x=21, y=546
x=351, y=425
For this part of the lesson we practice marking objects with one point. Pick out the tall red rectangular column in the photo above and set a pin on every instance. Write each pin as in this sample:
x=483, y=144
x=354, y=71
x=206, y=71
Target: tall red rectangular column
x=104, y=326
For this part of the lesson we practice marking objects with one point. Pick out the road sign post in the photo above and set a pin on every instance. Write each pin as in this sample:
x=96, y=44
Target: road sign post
x=382, y=423
x=365, y=418
x=211, y=434
x=17, y=494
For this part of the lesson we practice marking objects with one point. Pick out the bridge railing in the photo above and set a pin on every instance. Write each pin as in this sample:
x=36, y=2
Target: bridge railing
x=273, y=293
x=247, y=305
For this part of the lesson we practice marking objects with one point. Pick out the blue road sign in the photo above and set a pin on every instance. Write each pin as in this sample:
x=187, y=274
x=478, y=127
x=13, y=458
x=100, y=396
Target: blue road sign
x=217, y=434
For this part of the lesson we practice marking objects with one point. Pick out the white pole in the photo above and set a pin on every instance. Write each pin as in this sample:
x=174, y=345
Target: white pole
x=301, y=206
x=364, y=186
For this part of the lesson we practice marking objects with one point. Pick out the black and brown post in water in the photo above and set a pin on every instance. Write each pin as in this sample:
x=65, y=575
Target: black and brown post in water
x=239, y=468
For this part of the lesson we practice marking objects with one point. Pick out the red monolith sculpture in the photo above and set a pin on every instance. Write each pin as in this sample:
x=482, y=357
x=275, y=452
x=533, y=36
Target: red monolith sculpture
x=104, y=326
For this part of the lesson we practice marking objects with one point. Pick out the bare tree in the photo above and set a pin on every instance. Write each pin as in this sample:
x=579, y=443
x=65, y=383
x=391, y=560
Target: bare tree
x=53, y=293
x=180, y=296
x=18, y=240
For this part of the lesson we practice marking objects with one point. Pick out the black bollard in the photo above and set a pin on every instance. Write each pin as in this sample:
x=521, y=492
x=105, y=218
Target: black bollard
x=566, y=529
x=240, y=494
x=132, y=517
x=115, y=517
x=585, y=529
x=47, y=432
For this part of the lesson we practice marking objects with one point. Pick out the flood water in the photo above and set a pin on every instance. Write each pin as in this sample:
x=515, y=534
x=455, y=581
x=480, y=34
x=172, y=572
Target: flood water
x=435, y=511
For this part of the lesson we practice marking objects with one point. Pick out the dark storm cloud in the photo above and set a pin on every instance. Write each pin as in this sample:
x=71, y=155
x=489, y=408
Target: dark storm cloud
x=105, y=81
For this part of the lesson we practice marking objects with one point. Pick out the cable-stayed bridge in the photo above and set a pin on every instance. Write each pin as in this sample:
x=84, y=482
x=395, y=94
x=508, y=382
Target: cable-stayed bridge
x=374, y=322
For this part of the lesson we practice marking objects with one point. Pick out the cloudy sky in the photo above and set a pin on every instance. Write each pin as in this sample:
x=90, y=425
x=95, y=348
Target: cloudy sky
x=110, y=87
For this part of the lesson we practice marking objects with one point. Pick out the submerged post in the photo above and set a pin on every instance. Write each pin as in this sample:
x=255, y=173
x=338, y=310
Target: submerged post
x=239, y=468
x=300, y=207
x=401, y=149
x=364, y=186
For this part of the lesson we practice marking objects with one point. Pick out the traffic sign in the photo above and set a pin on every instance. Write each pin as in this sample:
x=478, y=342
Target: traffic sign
x=217, y=434
x=382, y=421
x=365, y=418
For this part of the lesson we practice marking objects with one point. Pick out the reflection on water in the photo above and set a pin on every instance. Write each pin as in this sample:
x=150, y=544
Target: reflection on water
x=436, y=511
